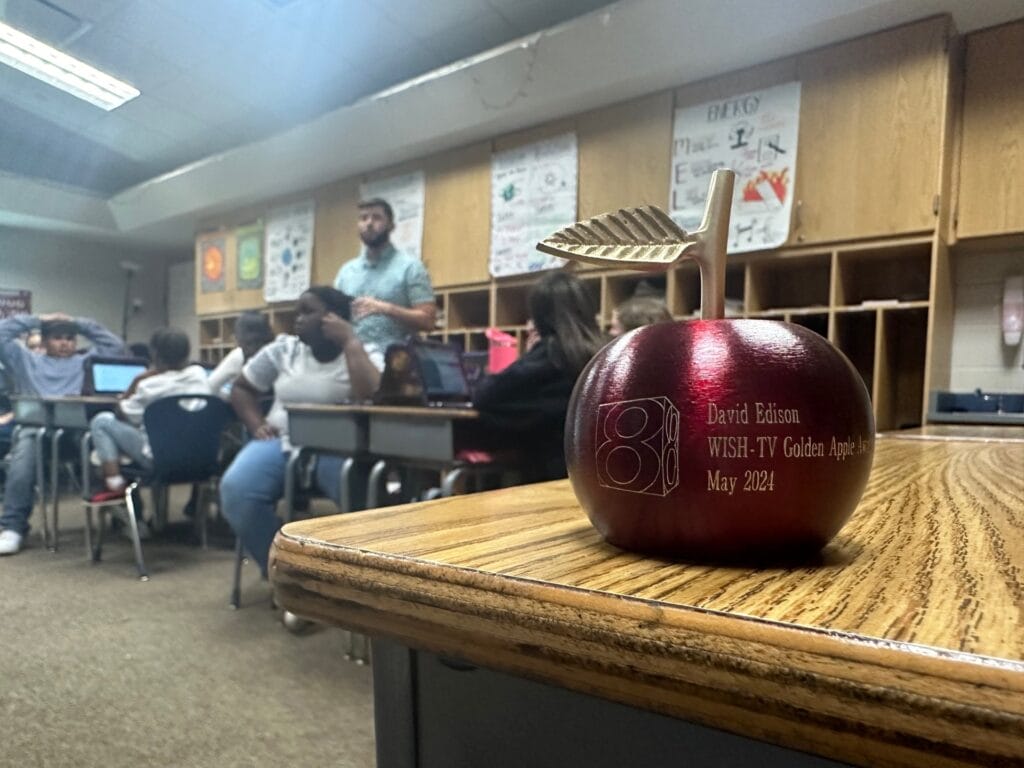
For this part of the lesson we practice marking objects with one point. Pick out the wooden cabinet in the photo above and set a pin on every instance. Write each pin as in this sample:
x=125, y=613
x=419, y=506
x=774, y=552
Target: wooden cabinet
x=871, y=121
x=991, y=190
x=872, y=300
x=217, y=332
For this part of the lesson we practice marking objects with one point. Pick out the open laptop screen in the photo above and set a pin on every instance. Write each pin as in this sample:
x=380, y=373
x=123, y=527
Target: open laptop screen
x=444, y=380
x=113, y=377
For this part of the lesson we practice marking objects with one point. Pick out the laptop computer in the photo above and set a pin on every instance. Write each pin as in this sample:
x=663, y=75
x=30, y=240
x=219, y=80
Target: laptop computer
x=442, y=374
x=427, y=373
x=110, y=375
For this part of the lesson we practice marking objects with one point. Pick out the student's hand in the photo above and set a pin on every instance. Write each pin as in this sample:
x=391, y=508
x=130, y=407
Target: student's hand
x=265, y=432
x=532, y=336
x=367, y=305
x=337, y=329
x=55, y=316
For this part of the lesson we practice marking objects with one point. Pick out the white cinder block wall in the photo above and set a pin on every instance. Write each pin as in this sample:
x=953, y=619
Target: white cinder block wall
x=980, y=359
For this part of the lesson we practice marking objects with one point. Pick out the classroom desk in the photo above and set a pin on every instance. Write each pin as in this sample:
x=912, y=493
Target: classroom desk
x=415, y=436
x=55, y=415
x=340, y=429
x=900, y=646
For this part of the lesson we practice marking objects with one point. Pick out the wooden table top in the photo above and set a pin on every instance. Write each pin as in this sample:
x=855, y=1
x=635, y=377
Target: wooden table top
x=903, y=645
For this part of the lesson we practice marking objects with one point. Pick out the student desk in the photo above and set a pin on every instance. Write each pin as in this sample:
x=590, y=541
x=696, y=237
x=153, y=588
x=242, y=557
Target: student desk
x=900, y=646
x=57, y=414
x=338, y=429
x=415, y=436
x=418, y=436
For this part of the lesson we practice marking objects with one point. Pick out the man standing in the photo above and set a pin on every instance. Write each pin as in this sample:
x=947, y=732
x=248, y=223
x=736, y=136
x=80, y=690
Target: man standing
x=59, y=371
x=391, y=292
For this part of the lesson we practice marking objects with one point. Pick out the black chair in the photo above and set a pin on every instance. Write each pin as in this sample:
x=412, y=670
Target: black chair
x=185, y=437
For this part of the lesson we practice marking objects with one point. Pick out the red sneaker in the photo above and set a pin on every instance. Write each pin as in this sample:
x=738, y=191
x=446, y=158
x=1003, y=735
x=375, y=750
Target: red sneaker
x=107, y=495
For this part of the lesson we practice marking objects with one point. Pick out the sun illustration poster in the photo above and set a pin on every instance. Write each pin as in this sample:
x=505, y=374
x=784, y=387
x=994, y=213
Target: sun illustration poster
x=211, y=248
x=755, y=135
x=249, y=247
x=288, y=251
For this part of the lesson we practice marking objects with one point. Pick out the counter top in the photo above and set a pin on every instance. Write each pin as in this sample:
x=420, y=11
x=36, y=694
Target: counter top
x=902, y=644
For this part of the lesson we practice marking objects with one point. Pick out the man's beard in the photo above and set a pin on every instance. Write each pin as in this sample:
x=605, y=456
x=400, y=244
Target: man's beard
x=374, y=241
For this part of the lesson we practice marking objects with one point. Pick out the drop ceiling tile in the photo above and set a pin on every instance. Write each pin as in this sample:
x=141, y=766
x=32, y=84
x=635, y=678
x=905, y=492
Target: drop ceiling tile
x=421, y=20
x=470, y=37
x=157, y=115
x=528, y=16
x=124, y=58
x=44, y=100
x=196, y=95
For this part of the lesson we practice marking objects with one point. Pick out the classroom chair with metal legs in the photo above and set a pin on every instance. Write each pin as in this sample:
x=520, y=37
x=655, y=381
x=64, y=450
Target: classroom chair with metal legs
x=184, y=434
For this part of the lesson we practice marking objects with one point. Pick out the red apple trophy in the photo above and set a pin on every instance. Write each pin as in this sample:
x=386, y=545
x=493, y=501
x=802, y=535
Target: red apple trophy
x=711, y=439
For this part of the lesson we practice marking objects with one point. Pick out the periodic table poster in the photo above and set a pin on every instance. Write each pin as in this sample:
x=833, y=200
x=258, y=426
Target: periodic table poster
x=754, y=134
x=533, y=193
x=405, y=195
x=288, y=251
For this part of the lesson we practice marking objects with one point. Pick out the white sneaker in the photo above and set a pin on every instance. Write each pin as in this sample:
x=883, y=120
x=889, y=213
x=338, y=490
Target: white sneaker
x=10, y=542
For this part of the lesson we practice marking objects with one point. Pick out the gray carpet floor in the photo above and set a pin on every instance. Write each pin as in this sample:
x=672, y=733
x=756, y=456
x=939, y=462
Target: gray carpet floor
x=100, y=669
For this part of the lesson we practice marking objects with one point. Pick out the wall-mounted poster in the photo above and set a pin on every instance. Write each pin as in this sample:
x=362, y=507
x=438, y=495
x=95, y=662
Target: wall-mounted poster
x=405, y=196
x=288, y=251
x=212, y=248
x=15, y=302
x=533, y=193
x=249, y=255
x=754, y=134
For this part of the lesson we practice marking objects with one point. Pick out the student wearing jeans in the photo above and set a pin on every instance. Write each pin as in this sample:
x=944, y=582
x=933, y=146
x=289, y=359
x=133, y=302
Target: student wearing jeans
x=324, y=363
x=122, y=432
x=57, y=372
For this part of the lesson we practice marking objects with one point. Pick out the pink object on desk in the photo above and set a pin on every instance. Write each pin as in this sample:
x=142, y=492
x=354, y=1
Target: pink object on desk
x=503, y=350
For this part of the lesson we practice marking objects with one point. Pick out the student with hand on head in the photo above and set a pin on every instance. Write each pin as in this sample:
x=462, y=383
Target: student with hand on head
x=252, y=332
x=57, y=372
x=324, y=363
x=122, y=432
x=392, y=295
x=525, y=405
x=637, y=312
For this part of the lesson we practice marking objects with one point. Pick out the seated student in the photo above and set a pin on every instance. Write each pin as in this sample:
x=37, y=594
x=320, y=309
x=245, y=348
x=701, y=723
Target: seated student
x=324, y=363
x=637, y=312
x=252, y=332
x=122, y=432
x=524, y=406
x=57, y=372
x=140, y=351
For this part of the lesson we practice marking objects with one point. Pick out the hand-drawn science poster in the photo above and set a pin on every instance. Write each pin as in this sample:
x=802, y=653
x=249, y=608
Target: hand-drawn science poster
x=405, y=196
x=288, y=251
x=754, y=134
x=212, y=249
x=249, y=255
x=533, y=193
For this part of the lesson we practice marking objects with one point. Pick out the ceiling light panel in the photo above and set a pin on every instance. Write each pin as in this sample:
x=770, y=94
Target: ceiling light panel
x=51, y=66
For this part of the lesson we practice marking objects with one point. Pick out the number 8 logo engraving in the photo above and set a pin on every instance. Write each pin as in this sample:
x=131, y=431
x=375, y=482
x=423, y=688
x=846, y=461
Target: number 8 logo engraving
x=638, y=445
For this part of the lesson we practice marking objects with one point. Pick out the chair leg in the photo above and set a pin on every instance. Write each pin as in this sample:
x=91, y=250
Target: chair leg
x=236, y=585
x=55, y=482
x=451, y=480
x=97, y=553
x=134, y=527
x=88, y=530
x=200, y=491
x=374, y=483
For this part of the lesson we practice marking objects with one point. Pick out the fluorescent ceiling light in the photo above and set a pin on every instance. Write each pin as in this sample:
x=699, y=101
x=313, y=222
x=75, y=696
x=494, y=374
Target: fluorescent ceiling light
x=44, y=63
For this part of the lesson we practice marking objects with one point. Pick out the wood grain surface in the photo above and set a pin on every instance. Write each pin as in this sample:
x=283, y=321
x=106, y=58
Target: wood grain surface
x=902, y=644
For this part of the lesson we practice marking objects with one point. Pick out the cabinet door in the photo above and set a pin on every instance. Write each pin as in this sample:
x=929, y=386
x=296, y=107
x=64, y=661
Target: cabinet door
x=991, y=199
x=457, y=216
x=871, y=117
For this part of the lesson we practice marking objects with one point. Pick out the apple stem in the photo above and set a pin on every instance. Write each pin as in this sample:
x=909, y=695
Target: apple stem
x=712, y=238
